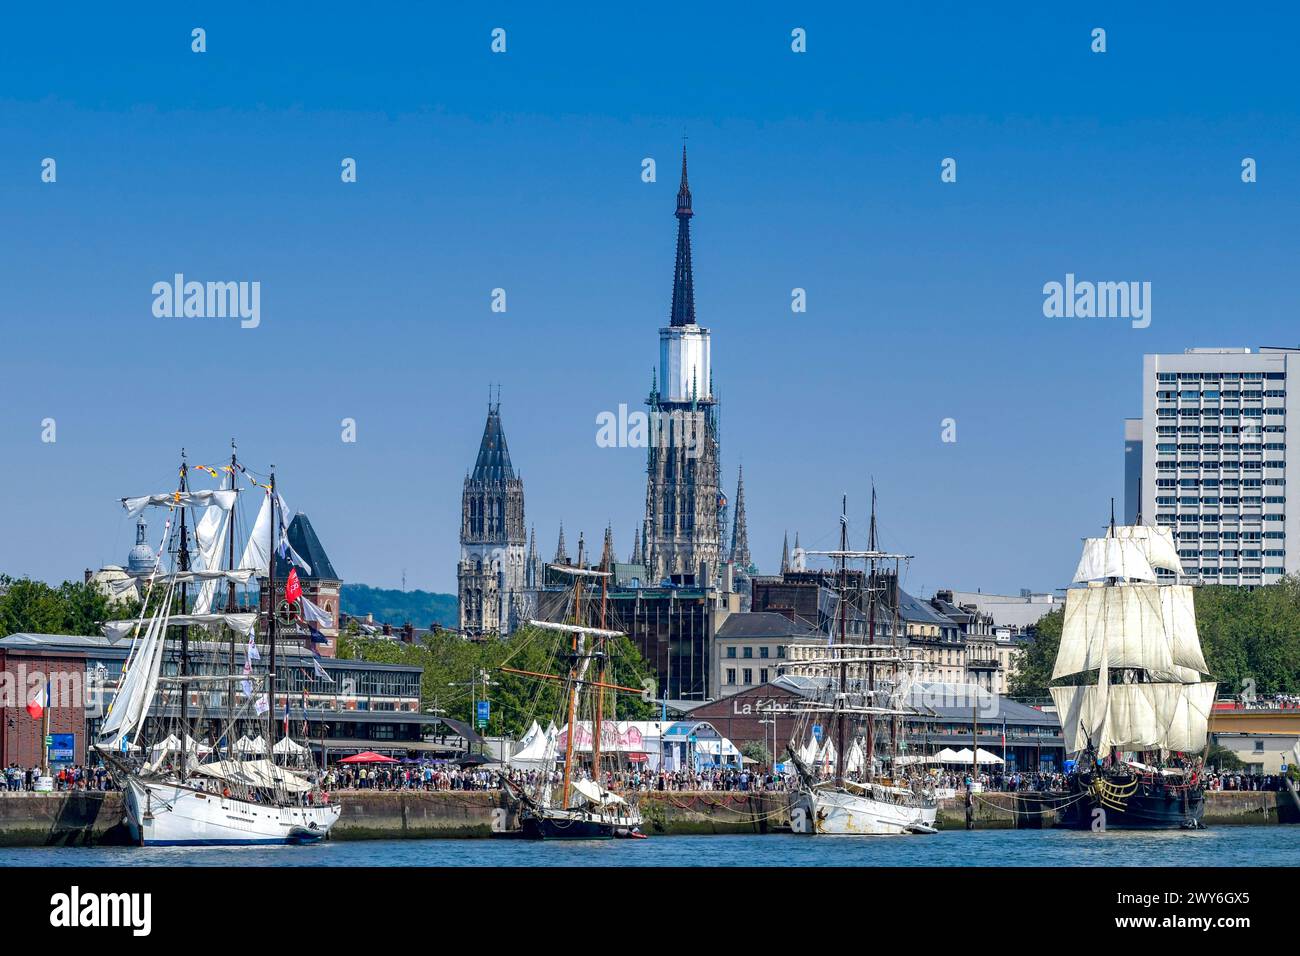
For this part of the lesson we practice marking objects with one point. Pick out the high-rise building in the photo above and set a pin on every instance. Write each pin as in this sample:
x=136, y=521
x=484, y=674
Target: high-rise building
x=490, y=576
x=1215, y=460
x=682, y=536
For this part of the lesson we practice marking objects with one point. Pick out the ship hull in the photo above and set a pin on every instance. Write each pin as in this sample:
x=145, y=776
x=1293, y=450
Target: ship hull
x=1151, y=806
x=562, y=825
x=159, y=813
x=826, y=812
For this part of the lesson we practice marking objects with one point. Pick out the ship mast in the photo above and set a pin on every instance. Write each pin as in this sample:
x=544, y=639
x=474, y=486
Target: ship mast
x=573, y=693
x=183, y=564
x=270, y=628
x=600, y=678
x=870, y=570
x=230, y=609
x=841, y=757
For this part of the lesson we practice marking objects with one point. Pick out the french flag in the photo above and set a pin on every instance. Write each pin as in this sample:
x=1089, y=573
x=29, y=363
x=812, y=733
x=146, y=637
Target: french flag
x=36, y=706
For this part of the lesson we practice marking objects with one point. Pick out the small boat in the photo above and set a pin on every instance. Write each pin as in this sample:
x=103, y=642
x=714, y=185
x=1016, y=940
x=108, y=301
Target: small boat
x=582, y=809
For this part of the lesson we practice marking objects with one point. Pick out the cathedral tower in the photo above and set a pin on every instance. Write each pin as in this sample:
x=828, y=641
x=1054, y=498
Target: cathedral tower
x=682, y=536
x=491, y=575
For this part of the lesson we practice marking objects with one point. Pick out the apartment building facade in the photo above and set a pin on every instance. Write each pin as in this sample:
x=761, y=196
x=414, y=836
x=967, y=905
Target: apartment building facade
x=1215, y=461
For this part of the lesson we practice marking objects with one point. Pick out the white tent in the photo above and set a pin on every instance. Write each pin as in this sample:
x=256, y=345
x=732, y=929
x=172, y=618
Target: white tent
x=255, y=746
x=288, y=745
x=539, y=752
x=948, y=755
x=808, y=753
x=826, y=756
x=854, y=763
x=983, y=756
x=533, y=733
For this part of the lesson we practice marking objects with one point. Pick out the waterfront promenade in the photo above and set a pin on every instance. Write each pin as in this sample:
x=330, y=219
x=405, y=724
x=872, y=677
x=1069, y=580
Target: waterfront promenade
x=88, y=817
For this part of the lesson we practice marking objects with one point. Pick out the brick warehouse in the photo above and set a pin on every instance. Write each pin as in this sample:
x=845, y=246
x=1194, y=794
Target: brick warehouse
x=22, y=677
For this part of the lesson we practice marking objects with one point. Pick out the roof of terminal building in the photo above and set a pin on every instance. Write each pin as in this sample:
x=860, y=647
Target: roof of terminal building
x=302, y=538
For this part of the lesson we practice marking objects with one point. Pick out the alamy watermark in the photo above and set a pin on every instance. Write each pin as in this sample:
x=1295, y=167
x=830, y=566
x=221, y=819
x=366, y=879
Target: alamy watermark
x=1103, y=300
x=680, y=428
x=208, y=300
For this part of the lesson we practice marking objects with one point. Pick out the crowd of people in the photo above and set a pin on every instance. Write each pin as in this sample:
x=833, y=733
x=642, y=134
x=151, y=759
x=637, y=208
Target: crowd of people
x=18, y=779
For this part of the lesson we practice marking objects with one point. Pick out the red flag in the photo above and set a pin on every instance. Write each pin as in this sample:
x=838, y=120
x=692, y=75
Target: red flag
x=292, y=589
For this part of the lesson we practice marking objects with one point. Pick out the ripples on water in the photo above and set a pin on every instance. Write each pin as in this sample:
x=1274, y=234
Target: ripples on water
x=1225, y=846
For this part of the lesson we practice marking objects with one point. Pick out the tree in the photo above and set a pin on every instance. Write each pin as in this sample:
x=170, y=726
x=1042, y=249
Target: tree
x=74, y=607
x=1034, y=667
x=756, y=751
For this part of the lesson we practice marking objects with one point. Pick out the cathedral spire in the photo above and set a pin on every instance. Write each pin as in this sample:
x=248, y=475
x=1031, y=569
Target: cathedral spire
x=739, y=532
x=607, y=553
x=561, y=552
x=683, y=312
x=582, y=551
x=636, y=548
x=785, y=554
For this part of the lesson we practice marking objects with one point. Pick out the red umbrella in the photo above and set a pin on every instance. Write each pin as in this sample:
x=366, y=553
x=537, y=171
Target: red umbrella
x=368, y=756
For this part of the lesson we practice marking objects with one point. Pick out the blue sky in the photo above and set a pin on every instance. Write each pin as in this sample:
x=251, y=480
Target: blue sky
x=522, y=171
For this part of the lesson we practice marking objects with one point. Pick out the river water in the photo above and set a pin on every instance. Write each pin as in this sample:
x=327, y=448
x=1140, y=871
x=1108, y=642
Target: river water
x=1219, y=846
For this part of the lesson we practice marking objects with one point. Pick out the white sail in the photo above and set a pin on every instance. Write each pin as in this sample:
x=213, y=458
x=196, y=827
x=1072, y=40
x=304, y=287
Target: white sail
x=574, y=629
x=1179, y=609
x=135, y=691
x=1157, y=544
x=210, y=534
x=1125, y=623
x=257, y=553
x=224, y=499
x=1135, y=716
x=1109, y=557
x=243, y=622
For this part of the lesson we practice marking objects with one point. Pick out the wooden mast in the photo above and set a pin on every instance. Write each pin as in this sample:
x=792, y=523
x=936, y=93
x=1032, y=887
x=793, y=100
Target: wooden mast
x=600, y=677
x=573, y=695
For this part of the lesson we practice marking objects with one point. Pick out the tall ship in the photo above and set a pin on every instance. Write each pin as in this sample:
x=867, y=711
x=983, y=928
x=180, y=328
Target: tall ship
x=566, y=798
x=180, y=785
x=1133, y=700
x=851, y=777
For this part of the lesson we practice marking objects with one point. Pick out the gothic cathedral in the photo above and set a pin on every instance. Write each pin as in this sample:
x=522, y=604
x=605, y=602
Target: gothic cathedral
x=682, y=536
x=490, y=576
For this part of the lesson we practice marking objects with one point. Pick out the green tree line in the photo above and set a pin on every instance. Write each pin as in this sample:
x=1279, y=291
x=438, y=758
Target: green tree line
x=450, y=664
x=1251, y=639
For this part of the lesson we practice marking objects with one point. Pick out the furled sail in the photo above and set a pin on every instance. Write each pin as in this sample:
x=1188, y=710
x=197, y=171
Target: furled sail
x=1135, y=716
x=1113, y=557
x=243, y=622
x=1157, y=544
x=222, y=498
x=209, y=534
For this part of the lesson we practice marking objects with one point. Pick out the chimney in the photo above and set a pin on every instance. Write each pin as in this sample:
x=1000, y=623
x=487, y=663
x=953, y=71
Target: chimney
x=388, y=630
x=408, y=633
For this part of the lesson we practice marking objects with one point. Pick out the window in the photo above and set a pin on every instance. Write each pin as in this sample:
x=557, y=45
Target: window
x=762, y=675
x=763, y=652
x=749, y=652
x=731, y=675
x=731, y=652
x=749, y=675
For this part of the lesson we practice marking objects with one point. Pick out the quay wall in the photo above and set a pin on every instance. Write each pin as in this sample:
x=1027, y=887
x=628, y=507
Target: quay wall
x=79, y=819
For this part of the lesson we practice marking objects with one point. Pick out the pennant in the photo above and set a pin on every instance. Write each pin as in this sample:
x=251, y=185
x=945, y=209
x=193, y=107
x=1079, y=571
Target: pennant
x=261, y=706
x=292, y=588
x=247, y=687
x=320, y=671
x=253, y=653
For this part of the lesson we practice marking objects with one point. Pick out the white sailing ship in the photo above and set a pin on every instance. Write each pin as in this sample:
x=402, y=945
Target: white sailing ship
x=860, y=691
x=183, y=792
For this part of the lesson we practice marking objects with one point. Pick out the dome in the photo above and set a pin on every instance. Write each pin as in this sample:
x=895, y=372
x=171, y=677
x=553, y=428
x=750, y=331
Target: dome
x=141, y=559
